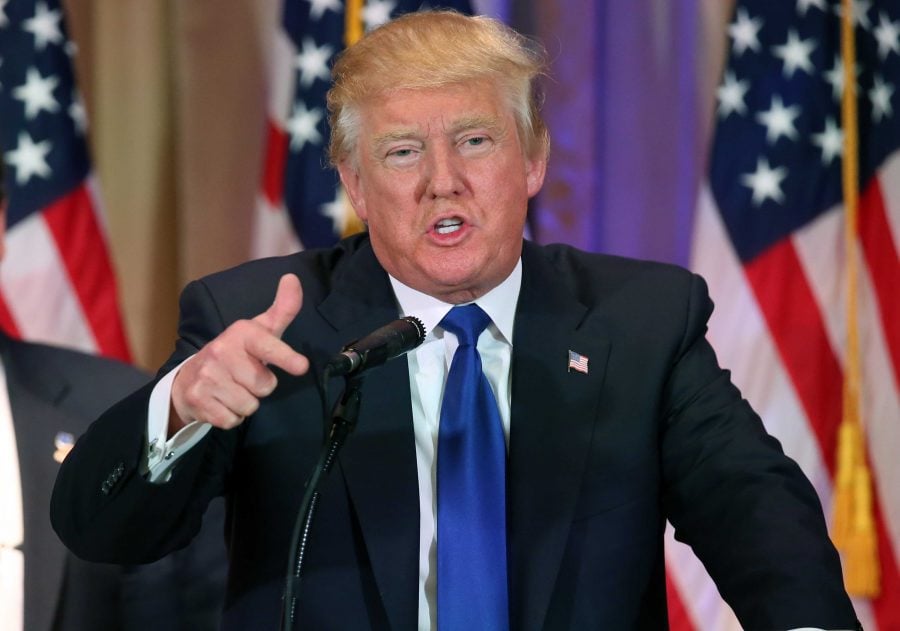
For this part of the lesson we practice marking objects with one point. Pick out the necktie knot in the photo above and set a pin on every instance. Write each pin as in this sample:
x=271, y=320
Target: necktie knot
x=466, y=323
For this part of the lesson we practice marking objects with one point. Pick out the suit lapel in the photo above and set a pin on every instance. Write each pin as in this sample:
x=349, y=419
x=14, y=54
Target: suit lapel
x=34, y=396
x=378, y=462
x=552, y=422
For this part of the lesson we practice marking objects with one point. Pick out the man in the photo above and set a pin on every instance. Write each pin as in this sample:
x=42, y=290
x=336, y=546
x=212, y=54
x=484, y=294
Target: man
x=49, y=395
x=615, y=412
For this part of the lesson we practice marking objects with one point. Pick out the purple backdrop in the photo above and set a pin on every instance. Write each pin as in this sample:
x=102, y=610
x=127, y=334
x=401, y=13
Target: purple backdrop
x=622, y=106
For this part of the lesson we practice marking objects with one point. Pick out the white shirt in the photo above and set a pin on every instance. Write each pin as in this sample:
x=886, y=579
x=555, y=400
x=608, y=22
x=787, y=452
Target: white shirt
x=428, y=368
x=12, y=524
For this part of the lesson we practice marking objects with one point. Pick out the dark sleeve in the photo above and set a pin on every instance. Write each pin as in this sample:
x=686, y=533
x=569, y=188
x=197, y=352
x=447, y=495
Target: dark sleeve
x=745, y=508
x=102, y=508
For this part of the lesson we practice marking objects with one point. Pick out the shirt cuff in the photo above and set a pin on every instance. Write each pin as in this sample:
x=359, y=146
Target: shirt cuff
x=161, y=455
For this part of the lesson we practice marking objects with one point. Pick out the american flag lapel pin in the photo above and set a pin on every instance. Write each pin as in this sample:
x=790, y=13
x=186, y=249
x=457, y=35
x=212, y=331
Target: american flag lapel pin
x=578, y=362
x=63, y=443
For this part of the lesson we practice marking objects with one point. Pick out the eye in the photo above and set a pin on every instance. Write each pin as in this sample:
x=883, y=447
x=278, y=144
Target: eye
x=476, y=144
x=401, y=156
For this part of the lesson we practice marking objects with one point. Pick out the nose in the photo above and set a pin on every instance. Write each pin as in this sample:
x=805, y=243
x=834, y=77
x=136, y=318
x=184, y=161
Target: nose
x=444, y=172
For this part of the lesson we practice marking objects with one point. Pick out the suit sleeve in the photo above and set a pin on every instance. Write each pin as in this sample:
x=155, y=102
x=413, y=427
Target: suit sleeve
x=102, y=507
x=745, y=508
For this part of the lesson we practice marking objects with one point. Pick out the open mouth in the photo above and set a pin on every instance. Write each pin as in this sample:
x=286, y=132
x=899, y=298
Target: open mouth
x=448, y=226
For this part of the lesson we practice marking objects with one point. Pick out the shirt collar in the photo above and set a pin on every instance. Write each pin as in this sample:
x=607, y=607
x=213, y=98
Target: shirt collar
x=499, y=303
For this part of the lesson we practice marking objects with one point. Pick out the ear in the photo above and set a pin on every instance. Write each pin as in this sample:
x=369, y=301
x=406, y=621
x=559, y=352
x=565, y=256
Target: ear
x=352, y=182
x=535, y=170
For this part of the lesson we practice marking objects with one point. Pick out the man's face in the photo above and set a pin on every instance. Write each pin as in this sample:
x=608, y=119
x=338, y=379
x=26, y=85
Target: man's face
x=443, y=184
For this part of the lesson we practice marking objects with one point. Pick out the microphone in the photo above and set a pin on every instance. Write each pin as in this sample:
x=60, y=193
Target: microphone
x=390, y=341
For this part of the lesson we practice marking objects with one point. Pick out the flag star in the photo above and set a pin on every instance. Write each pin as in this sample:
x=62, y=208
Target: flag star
x=3, y=19
x=377, y=12
x=880, y=95
x=731, y=95
x=318, y=7
x=779, y=120
x=29, y=158
x=338, y=209
x=795, y=54
x=835, y=77
x=77, y=113
x=44, y=26
x=765, y=182
x=830, y=141
x=860, y=12
x=745, y=32
x=888, y=35
x=302, y=126
x=37, y=93
x=804, y=5
x=313, y=62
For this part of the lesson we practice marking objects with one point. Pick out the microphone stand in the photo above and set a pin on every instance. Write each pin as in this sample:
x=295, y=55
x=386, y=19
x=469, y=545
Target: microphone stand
x=343, y=421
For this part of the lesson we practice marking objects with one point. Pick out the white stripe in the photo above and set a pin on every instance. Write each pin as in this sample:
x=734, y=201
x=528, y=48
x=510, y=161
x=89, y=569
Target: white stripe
x=880, y=410
x=889, y=176
x=38, y=291
x=282, y=77
x=273, y=234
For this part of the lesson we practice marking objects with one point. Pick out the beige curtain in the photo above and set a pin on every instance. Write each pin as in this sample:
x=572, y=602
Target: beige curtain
x=175, y=93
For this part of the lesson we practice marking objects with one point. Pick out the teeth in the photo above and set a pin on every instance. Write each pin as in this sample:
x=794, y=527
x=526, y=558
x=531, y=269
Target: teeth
x=447, y=226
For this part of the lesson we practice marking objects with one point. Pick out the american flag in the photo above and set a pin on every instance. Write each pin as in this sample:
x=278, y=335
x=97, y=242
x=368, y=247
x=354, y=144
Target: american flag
x=578, y=362
x=769, y=239
x=56, y=281
x=300, y=201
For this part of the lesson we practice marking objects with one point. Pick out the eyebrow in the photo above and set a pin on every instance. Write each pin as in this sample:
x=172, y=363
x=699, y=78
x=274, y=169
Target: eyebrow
x=476, y=121
x=460, y=125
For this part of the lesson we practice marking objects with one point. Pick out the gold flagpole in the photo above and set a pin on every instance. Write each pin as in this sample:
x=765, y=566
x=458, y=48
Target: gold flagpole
x=853, y=526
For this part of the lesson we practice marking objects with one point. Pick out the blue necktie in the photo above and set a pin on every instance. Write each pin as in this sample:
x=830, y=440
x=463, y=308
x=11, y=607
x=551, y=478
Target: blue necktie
x=471, y=489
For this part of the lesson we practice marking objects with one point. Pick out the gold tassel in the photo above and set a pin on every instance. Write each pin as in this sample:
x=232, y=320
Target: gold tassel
x=841, y=523
x=861, y=550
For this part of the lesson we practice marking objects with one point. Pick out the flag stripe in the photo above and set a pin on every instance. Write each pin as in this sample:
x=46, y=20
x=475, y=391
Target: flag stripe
x=39, y=293
x=82, y=248
x=679, y=620
x=273, y=167
x=884, y=267
x=796, y=325
x=7, y=323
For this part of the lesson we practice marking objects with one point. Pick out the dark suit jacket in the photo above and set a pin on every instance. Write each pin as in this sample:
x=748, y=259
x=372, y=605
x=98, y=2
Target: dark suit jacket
x=55, y=390
x=597, y=462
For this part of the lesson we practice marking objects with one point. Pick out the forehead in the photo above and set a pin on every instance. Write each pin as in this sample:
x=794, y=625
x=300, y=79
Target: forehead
x=435, y=110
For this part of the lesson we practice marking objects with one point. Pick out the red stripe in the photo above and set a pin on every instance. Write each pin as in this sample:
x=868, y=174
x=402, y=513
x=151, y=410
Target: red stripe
x=880, y=254
x=797, y=328
x=273, y=168
x=82, y=247
x=679, y=620
x=7, y=322
x=796, y=325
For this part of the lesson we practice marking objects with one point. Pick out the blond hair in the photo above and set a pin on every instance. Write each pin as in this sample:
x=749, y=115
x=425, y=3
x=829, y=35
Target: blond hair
x=433, y=49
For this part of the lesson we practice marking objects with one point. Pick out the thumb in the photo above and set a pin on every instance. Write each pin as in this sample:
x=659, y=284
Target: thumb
x=288, y=299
